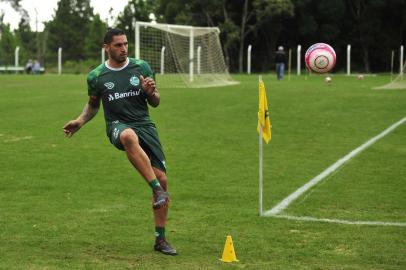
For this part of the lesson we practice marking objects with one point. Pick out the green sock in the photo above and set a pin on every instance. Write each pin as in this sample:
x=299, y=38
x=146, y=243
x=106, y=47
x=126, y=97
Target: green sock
x=159, y=233
x=154, y=184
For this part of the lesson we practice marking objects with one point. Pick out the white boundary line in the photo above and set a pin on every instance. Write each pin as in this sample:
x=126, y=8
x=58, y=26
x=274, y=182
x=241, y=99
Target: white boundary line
x=340, y=221
x=288, y=200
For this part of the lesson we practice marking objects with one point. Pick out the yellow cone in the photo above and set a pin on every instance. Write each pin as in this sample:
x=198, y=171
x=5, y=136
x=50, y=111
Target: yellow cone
x=229, y=253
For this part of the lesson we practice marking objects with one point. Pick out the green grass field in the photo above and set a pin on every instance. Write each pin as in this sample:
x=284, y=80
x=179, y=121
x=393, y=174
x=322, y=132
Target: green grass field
x=78, y=204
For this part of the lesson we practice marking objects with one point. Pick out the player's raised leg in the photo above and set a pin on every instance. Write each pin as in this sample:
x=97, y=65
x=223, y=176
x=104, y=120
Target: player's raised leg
x=141, y=162
x=157, y=180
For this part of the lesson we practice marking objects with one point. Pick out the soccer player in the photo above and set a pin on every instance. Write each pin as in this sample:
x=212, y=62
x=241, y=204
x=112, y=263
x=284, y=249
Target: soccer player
x=126, y=86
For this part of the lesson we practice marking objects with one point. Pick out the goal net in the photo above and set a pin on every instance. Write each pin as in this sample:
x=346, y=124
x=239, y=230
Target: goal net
x=182, y=56
x=398, y=83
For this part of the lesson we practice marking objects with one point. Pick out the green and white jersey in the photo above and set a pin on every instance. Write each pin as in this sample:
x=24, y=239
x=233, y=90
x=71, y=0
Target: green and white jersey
x=120, y=91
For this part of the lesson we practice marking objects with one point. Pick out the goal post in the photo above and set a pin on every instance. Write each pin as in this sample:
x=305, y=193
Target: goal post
x=182, y=56
x=398, y=83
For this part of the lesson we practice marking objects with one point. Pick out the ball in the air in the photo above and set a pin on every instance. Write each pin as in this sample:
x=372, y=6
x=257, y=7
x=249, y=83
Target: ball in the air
x=328, y=79
x=320, y=58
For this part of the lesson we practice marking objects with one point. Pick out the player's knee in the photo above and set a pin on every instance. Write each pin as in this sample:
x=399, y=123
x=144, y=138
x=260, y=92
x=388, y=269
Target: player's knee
x=128, y=138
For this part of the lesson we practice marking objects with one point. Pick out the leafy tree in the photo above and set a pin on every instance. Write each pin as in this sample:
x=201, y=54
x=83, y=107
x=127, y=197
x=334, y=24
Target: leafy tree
x=361, y=12
x=211, y=13
x=272, y=30
x=318, y=21
x=27, y=40
x=373, y=27
x=94, y=38
x=230, y=36
x=237, y=19
x=7, y=44
x=69, y=27
x=389, y=21
x=197, y=12
x=264, y=14
x=135, y=10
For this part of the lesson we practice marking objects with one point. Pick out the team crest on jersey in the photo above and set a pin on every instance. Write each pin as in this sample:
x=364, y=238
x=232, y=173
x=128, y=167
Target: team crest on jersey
x=109, y=85
x=134, y=80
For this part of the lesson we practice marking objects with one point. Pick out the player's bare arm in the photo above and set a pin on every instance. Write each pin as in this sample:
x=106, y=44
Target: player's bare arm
x=149, y=87
x=89, y=111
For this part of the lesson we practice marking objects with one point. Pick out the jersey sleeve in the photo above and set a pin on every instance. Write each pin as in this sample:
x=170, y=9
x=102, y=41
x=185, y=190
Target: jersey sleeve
x=92, y=84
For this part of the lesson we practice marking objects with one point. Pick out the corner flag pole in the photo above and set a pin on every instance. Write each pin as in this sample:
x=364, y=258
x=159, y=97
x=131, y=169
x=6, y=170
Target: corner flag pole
x=260, y=163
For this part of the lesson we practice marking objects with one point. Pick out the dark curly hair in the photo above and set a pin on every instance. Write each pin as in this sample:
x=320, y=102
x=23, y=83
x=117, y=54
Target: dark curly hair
x=111, y=32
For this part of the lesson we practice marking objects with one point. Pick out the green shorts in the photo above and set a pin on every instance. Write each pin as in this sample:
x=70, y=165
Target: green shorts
x=148, y=138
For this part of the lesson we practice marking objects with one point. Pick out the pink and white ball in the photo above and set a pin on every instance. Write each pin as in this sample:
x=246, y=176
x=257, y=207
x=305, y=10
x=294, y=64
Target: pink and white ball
x=320, y=58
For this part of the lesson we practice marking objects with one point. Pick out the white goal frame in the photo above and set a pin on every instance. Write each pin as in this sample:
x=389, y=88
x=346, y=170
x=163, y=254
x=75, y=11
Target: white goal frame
x=197, y=73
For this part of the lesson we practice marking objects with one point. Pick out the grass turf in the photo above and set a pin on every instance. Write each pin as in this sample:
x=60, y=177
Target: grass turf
x=78, y=204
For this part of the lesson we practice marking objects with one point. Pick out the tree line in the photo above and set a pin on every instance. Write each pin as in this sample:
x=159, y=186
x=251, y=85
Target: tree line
x=374, y=28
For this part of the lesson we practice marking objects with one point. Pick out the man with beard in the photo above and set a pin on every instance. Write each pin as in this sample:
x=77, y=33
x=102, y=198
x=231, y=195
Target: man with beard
x=126, y=86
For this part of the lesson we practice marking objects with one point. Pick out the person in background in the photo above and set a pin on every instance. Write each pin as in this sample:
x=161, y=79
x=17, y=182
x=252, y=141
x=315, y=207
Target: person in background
x=280, y=60
x=36, y=68
x=28, y=67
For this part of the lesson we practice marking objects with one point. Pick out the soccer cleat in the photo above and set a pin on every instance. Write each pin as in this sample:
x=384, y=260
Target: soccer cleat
x=161, y=198
x=164, y=247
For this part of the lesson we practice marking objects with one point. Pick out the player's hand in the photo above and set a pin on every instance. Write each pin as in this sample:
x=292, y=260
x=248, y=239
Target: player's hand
x=148, y=85
x=71, y=128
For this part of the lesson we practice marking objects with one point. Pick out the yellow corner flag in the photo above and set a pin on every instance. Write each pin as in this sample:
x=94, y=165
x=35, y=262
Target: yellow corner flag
x=263, y=114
